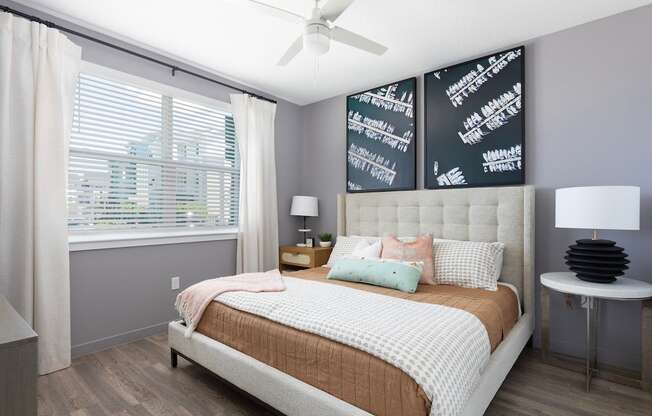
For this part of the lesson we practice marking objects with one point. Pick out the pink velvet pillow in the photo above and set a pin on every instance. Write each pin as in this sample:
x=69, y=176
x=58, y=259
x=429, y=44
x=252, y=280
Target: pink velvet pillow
x=418, y=250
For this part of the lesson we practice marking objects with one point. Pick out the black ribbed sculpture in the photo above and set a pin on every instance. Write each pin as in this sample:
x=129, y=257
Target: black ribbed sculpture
x=598, y=261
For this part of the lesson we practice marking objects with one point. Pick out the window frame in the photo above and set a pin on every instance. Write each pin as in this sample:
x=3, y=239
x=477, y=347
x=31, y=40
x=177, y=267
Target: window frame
x=105, y=239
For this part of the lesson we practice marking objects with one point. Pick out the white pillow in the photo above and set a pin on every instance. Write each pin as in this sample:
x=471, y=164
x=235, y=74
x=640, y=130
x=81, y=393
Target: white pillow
x=471, y=264
x=364, y=250
x=369, y=239
x=344, y=247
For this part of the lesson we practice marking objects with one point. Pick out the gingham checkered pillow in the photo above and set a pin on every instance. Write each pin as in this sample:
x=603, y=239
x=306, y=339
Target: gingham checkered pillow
x=469, y=264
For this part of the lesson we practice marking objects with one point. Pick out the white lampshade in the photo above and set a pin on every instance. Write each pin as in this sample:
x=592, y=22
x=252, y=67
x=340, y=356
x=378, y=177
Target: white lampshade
x=304, y=206
x=598, y=207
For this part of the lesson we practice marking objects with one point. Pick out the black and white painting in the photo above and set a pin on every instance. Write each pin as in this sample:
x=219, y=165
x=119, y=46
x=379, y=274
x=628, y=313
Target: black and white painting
x=474, y=128
x=380, y=138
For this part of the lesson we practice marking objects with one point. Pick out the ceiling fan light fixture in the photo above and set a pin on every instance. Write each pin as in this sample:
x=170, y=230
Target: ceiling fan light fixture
x=316, y=39
x=319, y=29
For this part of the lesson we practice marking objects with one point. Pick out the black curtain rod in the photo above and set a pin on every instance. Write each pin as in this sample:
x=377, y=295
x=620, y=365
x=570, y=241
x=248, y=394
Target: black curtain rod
x=173, y=68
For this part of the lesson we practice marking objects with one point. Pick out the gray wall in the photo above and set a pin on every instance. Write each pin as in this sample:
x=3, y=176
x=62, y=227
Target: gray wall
x=122, y=294
x=588, y=107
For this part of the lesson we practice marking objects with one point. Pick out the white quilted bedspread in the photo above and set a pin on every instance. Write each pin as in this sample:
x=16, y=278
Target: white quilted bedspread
x=443, y=349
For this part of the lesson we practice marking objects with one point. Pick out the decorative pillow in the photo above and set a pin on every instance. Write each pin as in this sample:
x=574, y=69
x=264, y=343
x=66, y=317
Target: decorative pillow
x=499, y=255
x=392, y=274
x=370, y=239
x=364, y=250
x=418, y=250
x=344, y=247
x=470, y=264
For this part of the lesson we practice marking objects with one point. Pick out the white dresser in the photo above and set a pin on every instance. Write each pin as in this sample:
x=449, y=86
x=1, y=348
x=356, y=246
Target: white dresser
x=18, y=364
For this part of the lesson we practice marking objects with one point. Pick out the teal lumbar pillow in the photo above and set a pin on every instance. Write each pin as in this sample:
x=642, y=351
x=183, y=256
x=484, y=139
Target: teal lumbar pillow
x=393, y=274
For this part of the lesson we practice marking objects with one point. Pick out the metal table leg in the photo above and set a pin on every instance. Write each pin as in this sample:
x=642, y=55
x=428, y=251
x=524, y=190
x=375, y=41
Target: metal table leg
x=545, y=323
x=592, y=315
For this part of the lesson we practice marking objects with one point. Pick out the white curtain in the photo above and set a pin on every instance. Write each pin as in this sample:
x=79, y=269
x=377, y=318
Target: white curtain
x=258, y=237
x=38, y=70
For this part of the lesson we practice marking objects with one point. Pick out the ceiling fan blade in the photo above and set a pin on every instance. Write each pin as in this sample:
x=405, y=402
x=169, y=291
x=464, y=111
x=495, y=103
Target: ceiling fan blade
x=269, y=10
x=334, y=8
x=292, y=51
x=360, y=42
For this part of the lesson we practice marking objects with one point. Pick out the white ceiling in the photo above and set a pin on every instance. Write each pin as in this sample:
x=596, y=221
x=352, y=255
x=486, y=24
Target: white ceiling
x=231, y=40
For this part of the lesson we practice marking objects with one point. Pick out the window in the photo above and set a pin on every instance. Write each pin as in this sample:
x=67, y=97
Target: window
x=146, y=159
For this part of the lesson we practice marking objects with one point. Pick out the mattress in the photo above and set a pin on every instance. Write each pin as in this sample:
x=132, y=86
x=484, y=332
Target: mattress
x=356, y=377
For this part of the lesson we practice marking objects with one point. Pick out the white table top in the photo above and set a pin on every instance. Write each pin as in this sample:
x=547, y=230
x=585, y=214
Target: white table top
x=622, y=289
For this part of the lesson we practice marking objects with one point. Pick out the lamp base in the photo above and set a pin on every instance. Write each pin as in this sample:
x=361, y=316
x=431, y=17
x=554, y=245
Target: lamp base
x=597, y=261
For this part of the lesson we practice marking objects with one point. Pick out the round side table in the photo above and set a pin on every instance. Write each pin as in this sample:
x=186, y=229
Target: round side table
x=623, y=289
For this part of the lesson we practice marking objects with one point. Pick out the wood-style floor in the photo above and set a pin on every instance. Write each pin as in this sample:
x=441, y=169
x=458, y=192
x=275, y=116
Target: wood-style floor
x=136, y=379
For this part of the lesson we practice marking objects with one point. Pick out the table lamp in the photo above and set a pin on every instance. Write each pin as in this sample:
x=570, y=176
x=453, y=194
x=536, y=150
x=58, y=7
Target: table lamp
x=597, y=208
x=304, y=206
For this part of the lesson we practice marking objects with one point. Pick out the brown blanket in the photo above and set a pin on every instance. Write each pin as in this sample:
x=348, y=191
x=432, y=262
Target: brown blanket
x=354, y=376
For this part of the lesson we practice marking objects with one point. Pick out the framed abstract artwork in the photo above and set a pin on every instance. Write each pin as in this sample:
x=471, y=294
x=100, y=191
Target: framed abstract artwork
x=381, y=138
x=474, y=122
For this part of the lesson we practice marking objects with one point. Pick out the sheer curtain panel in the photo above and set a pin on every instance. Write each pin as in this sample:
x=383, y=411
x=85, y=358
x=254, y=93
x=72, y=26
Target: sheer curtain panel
x=38, y=72
x=258, y=236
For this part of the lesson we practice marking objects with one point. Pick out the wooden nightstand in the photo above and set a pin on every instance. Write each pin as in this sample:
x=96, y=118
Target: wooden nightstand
x=293, y=257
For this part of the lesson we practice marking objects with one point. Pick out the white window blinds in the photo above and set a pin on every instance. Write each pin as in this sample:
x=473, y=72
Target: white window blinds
x=143, y=160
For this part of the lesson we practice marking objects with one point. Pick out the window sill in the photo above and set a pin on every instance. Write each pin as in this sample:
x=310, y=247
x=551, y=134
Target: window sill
x=99, y=241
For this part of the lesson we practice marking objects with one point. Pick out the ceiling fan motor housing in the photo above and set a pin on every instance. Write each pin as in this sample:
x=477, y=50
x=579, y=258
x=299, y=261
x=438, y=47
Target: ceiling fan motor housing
x=316, y=37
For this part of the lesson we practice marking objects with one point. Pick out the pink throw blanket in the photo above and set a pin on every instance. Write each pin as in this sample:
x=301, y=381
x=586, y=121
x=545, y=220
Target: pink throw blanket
x=193, y=301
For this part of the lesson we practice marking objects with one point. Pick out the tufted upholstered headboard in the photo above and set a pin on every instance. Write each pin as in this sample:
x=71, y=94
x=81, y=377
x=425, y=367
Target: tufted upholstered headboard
x=504, y=214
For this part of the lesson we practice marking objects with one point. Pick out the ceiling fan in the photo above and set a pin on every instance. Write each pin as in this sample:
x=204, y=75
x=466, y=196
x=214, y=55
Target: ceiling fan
x=319, y=29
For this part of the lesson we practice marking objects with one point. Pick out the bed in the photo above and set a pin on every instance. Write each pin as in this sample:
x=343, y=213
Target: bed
x=255, y=355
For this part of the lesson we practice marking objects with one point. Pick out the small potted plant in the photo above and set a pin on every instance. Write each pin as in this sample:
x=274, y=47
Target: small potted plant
x=325, y=239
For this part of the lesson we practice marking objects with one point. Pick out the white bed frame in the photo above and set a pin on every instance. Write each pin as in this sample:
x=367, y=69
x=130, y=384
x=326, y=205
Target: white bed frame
x=504, y=214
